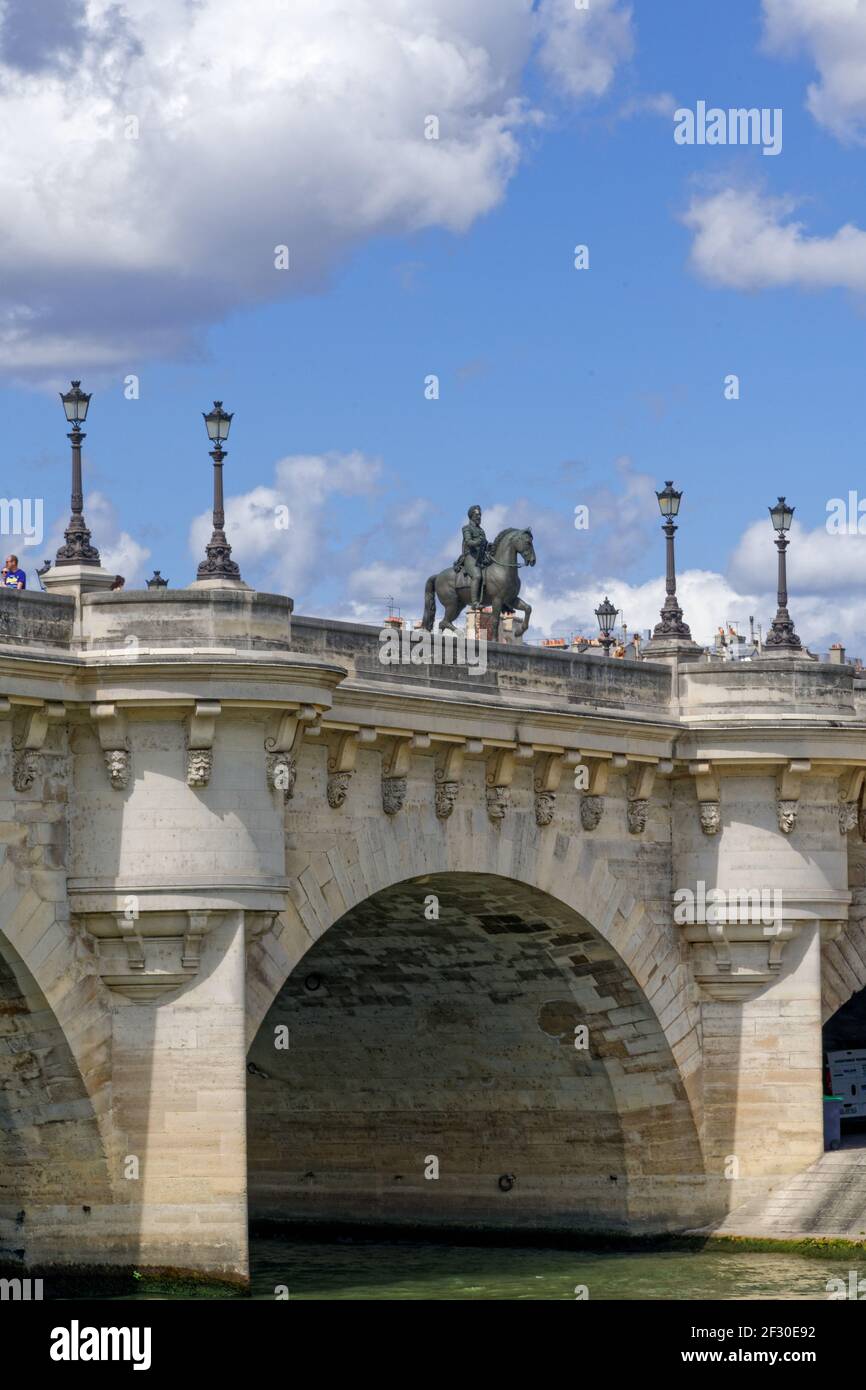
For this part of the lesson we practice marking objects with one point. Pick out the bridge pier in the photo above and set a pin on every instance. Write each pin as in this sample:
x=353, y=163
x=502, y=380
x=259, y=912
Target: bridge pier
x=179, y=1073
x=762, y=1076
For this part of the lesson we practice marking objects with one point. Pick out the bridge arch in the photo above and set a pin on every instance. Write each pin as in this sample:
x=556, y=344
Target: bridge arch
x=514, y=964
x=338, y=869
x=53, y=1168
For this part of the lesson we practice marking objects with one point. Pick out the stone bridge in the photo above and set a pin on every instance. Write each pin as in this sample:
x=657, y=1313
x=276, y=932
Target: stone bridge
x=290, y=934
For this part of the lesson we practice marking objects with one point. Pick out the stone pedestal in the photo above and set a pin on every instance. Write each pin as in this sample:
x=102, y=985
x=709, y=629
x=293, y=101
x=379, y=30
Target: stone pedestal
x=672, y=649
x=218, y=584
x=77, y=579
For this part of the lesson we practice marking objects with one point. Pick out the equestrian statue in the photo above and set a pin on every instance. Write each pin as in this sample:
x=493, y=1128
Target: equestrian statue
x=484, y=572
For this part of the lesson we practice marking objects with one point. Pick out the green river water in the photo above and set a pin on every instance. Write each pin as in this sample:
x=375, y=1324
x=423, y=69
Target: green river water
x=367, y=1269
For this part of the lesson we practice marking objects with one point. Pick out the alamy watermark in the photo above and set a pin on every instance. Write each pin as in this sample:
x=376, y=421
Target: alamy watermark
x=714, y=906
x=22, y=517
x=846, y=517
x=418, y=647
x=736, y=126
x=20, y=1290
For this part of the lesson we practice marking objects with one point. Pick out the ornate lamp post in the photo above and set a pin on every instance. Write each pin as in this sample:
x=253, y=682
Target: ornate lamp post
x=606, y=614
x=671, y=624
x=77, y=550
x=782, y=636
x=219, y=564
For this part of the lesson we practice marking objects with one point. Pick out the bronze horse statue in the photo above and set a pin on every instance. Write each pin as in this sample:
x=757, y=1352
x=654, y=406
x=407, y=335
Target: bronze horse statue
x=501, y=582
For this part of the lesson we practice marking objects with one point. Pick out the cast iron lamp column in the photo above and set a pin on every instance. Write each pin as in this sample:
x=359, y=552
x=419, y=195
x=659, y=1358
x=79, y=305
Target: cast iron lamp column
x=78, y=549
x=671, y=624
x=782, y=635
x=606, y=615
x=219, y=564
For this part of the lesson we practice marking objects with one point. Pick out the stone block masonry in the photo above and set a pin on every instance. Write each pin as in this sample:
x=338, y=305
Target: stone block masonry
x=218, y=820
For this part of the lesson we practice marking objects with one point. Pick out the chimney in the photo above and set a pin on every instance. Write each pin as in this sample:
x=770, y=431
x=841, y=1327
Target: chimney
x=837, y=654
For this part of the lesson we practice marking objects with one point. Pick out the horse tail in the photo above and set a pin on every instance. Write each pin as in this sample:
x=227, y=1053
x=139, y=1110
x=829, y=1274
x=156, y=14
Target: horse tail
x=429, y=604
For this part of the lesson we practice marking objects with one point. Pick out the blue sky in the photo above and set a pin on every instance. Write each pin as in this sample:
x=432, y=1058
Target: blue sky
x=557, y=387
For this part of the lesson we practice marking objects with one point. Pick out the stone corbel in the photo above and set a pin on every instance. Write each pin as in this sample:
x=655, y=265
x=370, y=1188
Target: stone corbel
x=640, y=786
x=30, y=741
x=850, y=789
x=341, y=767
x=447, y=775
x=709, y=801
x=197, y=929
x=395, y=771
x=111, y=728
x=592, y=801
x=282, y=750
x=131, y=937
x=548, y=774
x=199, y=751
x=500, y=775
x=788, y=785
x=144, y=965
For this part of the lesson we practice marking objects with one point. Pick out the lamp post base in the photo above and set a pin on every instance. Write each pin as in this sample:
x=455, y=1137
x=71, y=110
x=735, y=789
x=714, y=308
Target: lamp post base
x=779, y=653
x=77, y=579
x=663, y=648
x=218, y=582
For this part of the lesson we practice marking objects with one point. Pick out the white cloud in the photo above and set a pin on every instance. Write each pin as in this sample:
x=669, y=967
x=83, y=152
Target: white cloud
x=745, y=240
x=651, y=103
x=581, y=49
x=821, y=561
x=833, y=34
x=708, y=601
x=396, y=544
x=291, y=559
x=119, y=552
x=276, y=124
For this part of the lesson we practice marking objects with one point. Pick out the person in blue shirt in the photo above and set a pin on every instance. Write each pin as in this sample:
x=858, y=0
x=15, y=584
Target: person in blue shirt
x=13, y=577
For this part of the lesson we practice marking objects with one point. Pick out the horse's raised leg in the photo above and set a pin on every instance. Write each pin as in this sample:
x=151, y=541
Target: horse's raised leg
x=526, y=610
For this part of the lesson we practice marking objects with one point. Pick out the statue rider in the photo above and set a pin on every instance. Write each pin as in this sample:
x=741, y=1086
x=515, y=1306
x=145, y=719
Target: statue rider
x=474, y=555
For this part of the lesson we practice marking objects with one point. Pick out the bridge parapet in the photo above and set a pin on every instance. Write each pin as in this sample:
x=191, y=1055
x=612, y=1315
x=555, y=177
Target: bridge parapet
x=777, y=691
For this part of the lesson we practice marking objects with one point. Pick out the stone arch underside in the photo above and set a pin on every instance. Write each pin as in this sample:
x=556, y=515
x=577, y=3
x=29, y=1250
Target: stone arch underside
x=52, y=1161
x=843, y=961
x=453, y=1040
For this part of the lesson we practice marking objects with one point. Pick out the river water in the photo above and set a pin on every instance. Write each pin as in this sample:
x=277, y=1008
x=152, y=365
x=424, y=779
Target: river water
x=353, y=1269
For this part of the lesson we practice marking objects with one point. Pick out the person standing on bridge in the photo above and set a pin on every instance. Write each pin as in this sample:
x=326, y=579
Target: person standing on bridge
x=13, y=577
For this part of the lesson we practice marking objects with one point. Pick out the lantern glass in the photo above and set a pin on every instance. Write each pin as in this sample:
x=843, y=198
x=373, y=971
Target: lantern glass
x=669, y=500
x=606, y=614
x=781, y=516
x=217, y=423
x=75, y=403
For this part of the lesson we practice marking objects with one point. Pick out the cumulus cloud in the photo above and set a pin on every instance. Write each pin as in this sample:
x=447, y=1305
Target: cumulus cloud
x=746, y=240
x=156, y=152
x=282, y=534
x=824, y=561
x=833, y=34
x=709, y=600
x=119, y=552
x=581, y=49
x=397, y=543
